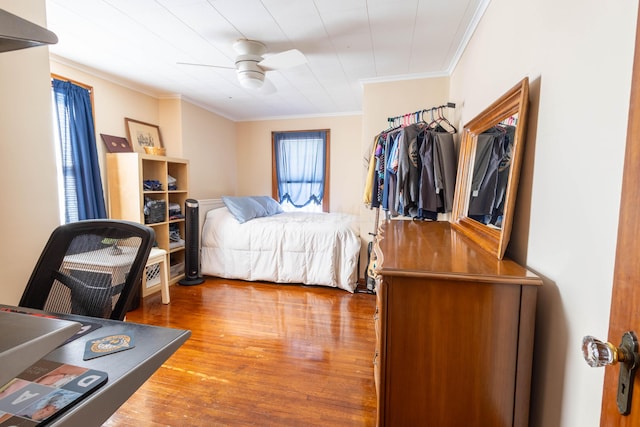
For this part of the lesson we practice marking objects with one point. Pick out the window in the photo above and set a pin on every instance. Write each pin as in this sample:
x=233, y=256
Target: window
x=300, y=178
x=79, y=182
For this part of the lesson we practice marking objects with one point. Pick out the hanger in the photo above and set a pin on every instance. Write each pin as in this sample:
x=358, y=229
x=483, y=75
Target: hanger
x=498, y=127
x=438, y=120
x=510, y=121
x=434, y=124
x=417, y=117
x=391, y=122
x=442, y=118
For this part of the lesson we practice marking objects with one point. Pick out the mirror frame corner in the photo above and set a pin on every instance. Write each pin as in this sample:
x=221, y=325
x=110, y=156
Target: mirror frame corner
x=494, y=240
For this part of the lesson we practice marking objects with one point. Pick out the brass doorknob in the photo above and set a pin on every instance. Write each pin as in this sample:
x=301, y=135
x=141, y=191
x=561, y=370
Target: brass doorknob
x=598, y=353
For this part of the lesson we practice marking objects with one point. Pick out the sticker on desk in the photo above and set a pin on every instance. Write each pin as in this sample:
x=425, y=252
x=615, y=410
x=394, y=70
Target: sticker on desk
x=44, y=390
x=107, y=345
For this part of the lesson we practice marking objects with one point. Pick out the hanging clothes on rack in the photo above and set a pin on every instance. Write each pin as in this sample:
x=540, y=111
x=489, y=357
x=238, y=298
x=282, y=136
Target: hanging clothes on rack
x=389, y=195
x=381, y=158
x=408, y=182
x=446, y=167
x=371, y=171
x=438, y=177
x=428, y=201
x=445, y=158
x=412, y=169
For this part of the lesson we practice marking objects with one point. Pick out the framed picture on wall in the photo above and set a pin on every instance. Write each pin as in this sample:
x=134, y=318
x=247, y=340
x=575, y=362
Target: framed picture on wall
x=116, y=144
x=143, y=134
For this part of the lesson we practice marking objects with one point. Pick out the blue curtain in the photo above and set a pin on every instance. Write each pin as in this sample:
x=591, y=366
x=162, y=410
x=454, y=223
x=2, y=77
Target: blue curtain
x=300, y=165
x=84, y=198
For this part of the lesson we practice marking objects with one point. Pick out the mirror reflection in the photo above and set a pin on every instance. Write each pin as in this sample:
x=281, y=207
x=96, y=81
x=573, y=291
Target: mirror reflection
x=492, y=162
x=491, y=152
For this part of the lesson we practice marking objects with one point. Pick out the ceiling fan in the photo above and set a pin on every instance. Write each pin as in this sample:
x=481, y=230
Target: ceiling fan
x=251, y=66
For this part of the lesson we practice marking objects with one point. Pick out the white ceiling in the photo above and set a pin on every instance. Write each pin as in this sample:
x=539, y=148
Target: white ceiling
x=346, y=42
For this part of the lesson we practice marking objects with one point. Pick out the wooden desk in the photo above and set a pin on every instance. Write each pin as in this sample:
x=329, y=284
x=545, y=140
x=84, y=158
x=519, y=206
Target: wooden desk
x=127, y=370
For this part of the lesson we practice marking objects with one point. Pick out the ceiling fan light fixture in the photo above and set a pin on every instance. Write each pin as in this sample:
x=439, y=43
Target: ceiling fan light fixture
x=251, y=66
x=251, y=79
x=250, y=75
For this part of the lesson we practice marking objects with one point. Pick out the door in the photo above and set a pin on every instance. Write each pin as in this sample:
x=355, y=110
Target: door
x=625, y=302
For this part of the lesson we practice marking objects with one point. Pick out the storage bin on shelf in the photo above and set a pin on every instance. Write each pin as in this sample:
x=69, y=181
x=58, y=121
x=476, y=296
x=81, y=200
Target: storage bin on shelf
x=176, y=269
x=154, y=210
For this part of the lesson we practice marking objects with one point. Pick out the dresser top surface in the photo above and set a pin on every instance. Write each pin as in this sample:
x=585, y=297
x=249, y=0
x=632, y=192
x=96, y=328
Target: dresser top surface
x=434, y=249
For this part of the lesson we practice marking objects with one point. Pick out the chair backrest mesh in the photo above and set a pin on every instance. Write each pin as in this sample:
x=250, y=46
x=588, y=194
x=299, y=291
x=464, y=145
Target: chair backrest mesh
x=92, y=275
x=88, y=267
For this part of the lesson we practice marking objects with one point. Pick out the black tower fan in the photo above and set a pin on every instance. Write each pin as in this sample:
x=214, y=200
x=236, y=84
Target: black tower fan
x=191, y=261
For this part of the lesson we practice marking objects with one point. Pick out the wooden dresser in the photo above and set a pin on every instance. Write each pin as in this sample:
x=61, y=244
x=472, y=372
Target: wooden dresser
x=454, y=327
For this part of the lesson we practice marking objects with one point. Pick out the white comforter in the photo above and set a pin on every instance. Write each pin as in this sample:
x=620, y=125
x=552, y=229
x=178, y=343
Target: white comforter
x=309, y=248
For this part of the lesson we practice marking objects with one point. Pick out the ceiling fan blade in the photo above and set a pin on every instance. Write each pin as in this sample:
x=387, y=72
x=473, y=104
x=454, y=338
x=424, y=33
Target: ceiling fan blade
x=206, y=65
x=286, y=59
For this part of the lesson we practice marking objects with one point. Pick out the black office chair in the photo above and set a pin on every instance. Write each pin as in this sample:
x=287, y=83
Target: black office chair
x=90, y=268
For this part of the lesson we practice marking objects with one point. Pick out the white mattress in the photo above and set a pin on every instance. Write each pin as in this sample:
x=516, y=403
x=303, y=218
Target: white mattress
x=291, y=247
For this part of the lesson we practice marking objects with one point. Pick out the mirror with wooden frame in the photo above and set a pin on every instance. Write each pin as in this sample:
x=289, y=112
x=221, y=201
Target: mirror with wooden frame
x=491, y=152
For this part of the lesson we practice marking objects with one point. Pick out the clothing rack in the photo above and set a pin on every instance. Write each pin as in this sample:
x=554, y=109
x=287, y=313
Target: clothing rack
x=416, y=116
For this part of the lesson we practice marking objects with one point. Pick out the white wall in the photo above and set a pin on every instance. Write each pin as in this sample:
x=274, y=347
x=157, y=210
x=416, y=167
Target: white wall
x=29, y=192
x=209, y=142
x=578, y=55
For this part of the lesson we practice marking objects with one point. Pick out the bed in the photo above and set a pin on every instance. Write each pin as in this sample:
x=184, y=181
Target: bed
x=282, y=247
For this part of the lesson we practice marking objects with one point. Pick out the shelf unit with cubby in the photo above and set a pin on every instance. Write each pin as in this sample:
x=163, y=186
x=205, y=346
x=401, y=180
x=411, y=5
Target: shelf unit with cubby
x=128, y=197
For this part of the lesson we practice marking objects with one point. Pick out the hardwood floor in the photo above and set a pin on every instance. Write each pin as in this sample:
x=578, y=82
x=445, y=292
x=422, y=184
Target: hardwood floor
x=259, y=355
